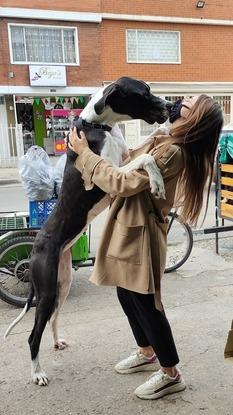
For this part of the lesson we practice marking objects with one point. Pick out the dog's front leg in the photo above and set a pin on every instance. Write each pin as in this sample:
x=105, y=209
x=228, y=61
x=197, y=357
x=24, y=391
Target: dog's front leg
x=147, y=162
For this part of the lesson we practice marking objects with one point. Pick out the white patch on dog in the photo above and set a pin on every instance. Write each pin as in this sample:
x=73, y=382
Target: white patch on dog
x=60, y=344
x=89, y=114
x=115, y=149
x=39, y=377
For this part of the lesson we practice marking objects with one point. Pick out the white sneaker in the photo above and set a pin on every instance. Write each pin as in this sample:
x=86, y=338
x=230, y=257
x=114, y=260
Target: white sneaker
x=137, y=362
x=160, y=384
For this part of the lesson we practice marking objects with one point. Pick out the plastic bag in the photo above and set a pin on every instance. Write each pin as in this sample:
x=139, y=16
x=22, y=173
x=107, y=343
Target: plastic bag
x=36, y=174
x=58, y=172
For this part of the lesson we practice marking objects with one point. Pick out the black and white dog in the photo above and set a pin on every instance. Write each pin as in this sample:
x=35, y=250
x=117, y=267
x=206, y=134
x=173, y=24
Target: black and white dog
x=50, y=264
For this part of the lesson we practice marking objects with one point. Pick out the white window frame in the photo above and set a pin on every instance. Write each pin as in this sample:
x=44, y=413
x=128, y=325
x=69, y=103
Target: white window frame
x=153, y=62
x=76, y=43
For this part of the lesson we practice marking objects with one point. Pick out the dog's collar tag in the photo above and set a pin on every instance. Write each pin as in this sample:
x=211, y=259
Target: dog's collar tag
x=104, y=127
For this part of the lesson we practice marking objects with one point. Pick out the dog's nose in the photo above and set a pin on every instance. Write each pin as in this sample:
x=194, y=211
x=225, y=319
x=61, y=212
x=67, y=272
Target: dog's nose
x=169, y=105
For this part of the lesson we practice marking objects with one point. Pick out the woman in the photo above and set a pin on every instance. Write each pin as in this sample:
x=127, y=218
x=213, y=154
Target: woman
x=132, y=251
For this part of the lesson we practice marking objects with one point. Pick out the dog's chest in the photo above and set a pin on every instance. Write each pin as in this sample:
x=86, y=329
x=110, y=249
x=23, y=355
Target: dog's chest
x=114, y=149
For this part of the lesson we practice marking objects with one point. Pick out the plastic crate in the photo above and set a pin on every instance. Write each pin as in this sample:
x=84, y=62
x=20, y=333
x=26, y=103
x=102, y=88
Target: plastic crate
x=12, y=222
x=80, y=249
x=39, y=211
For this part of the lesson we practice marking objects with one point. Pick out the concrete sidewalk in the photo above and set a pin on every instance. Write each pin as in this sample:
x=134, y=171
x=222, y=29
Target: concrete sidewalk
x=198, y=303
x=9, y=175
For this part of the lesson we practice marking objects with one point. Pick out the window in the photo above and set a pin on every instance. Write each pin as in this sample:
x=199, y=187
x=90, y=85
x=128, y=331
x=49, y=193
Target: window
x=225, y=103
x=43, y=44
x=153, y=46
x=147, y=129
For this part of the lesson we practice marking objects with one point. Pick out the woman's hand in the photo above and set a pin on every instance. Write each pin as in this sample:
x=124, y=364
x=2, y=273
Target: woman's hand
x=75, y=143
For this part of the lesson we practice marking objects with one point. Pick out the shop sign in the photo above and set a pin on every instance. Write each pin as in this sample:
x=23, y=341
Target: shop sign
x=41, y=75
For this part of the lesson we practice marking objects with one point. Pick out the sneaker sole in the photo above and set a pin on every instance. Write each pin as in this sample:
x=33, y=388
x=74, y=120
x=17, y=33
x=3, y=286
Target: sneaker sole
x=172, y=389
x=143, y=368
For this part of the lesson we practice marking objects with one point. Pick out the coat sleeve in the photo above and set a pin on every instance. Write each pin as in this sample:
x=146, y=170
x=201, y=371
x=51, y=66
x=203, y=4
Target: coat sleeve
x=95, y=170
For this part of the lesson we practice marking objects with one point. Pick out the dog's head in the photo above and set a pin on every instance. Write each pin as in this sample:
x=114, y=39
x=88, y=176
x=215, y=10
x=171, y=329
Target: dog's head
x=133, y=99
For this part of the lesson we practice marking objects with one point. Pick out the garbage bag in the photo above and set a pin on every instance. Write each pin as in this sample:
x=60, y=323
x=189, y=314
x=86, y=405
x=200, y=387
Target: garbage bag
x=59, y=172
x=36, y=173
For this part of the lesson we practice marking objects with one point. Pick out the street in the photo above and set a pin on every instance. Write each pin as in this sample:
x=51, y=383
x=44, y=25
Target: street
x=198, y=303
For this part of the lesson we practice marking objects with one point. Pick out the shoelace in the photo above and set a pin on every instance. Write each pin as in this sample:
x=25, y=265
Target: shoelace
x=156, y=377
x=140, y=355
x=136, y=355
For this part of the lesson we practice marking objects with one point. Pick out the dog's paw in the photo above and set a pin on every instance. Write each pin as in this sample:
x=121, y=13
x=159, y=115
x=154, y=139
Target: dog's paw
x=40, y=378
x=60, y=344
x=157, y=188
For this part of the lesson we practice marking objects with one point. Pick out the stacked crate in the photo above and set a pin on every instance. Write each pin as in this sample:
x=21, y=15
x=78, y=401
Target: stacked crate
x=226, y=191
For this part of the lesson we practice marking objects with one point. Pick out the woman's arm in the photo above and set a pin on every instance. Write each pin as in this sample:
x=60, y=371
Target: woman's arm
x=96, y=170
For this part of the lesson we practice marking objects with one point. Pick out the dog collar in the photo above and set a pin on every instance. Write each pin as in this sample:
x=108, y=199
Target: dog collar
x=104, y=127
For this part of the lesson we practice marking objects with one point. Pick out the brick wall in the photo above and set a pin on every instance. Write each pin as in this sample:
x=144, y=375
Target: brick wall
x=69, y=5
x=206, y=53
x=89, y=49
x=217, y=9
x=214, y=9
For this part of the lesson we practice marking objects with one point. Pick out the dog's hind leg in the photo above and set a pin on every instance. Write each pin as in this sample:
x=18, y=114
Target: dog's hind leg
x=41, y=268
x=43, y=312
x=64, y=283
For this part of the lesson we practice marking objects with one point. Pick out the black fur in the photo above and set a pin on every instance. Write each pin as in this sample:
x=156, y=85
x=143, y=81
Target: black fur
x=65, y=222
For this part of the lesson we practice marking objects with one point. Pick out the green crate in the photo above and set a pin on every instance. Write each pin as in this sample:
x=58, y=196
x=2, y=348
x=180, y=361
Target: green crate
x=12, y=222
x=80, y=249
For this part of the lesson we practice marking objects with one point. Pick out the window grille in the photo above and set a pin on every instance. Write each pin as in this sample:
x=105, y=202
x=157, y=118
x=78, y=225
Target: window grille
x=225, y=103
x=153, y=46
x=43, y=44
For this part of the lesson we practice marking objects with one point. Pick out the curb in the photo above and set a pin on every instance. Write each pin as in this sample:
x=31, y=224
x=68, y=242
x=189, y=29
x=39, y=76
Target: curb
x=7, y=181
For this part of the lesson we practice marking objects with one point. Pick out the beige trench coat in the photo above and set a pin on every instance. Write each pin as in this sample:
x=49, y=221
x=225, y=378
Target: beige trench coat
x=132, y=250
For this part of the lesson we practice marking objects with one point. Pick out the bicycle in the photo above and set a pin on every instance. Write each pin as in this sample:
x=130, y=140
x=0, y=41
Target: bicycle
x=16, y=247
x=179, y=243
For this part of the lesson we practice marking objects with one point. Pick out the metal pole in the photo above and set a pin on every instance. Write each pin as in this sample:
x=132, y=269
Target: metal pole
x=217, y=185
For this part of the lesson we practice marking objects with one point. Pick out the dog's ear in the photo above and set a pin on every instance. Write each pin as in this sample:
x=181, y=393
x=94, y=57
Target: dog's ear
x=108, y=92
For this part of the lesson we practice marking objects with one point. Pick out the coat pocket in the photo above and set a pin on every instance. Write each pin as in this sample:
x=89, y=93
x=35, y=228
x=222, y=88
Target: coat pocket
x=126, y=243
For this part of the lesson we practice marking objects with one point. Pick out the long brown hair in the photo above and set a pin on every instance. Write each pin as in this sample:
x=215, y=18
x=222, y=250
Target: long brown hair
x=198, y=135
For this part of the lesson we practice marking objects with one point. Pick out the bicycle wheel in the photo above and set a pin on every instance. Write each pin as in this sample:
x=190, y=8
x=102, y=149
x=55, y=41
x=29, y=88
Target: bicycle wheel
x=179, y=243
x=14, y=269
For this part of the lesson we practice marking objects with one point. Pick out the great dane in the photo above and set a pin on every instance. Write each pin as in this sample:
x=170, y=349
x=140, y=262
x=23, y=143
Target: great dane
x=50, y=264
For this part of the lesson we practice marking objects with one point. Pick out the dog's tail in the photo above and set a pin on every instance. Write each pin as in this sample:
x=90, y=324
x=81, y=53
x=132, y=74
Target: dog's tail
x=22, y=314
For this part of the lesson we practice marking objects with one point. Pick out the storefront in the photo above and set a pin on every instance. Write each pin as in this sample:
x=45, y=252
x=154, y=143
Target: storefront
x=40, y=114
x=46, y=120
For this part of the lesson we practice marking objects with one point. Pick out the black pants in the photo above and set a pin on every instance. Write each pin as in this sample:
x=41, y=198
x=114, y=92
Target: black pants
x=150, y=326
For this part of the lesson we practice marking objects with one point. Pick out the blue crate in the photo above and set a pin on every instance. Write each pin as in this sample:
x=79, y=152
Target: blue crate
x=39, y=211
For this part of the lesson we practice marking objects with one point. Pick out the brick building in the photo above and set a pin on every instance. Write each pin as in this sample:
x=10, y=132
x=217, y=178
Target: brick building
x=56, y=55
